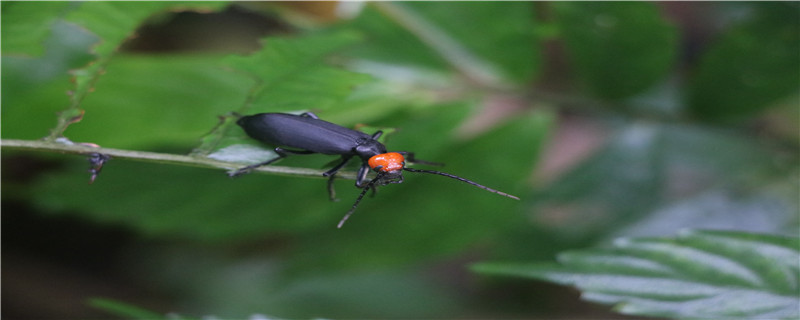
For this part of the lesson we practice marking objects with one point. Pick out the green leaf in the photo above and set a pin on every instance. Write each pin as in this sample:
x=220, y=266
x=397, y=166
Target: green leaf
x=502, y=33
x=621, y=181
x=113, y=23
x=231, y=287
x=186, y=203
x=751, y=67
x=122, y=309
x=289, y=74
x=739, y=207
x=26, y=25
x=492, y=38
x=129, y=110
x=36, y=87
x=630, y=179
x=699, y=274
x=387, y=42
x=618, y=48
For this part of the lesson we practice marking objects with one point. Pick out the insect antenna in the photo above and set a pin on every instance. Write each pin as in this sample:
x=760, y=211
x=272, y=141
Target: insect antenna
x=463, y=180
x=370, y=185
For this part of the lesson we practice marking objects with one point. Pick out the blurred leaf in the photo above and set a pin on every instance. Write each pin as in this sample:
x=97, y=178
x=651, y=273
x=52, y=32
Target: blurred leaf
x=386, y=41
x=719, y=179
x=501, y=34
x=379, y=101
x=677, y=177
x=616, y=184
x=113, y=22
x=645, y=166
x=744, y=208
x=25, y=25
x=750, y=67
x=371, y=294
x=128, y=311
x=461, y=34
x=618, y=49
x=230, y=286
x=122, y=309
x=36, y=88
x=701, y=274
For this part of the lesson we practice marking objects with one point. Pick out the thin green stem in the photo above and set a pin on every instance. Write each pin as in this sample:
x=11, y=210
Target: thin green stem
x=165, y=158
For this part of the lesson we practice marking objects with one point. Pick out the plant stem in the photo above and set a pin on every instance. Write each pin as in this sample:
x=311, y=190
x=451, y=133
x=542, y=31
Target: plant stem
x=165, y=158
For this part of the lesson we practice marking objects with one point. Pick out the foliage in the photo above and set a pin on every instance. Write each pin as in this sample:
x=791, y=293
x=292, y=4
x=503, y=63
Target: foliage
x=609, y=58
x=697, y=275
x=474, y=85
x=757, y=70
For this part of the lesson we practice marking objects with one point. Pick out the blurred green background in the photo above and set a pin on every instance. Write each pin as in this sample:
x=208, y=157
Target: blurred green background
x=607, y=119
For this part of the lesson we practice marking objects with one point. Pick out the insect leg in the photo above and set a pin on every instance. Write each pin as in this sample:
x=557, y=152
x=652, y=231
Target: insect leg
x=361, y=178
x=331, y=189
x=332, y=171
x=370, y=185
x=332, y=174
x=282, y=153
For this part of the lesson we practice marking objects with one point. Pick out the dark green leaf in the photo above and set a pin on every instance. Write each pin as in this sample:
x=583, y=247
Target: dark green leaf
x=113, y=23
x=36, y=88
x=129, y=110
x=499, y=36
x=188, y=203
x=618, y=48
x=122, y=309
x=500, y=33
x=750, y=67
x=388, y=42
x=700, y=274
x=734, y=207
x=631, y=176
x=619, y=182
x=231, y=287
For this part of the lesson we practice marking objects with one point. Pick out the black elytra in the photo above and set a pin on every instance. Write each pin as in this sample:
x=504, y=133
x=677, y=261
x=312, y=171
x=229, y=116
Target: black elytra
x=307, y=134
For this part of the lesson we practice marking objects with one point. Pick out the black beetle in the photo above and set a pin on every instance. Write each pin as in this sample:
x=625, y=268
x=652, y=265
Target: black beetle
x=307, y=134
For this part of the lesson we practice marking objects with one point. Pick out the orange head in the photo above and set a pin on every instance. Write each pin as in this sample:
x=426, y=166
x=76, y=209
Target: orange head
x=387, y=162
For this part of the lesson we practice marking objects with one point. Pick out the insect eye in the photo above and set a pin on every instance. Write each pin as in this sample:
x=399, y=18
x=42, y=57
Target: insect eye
x=387, y=162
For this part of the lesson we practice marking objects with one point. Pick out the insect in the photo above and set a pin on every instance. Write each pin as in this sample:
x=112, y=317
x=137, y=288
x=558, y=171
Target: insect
x=307, y=134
